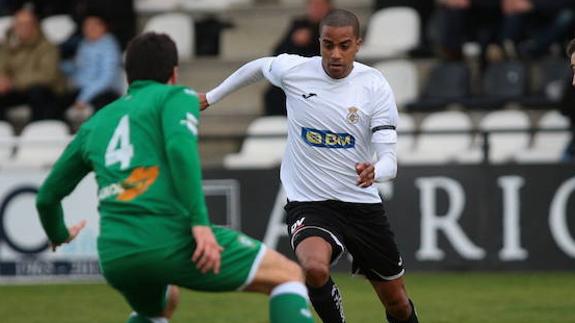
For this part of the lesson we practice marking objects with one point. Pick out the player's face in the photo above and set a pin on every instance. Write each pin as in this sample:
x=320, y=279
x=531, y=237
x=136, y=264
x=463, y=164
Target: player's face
x=339, y=46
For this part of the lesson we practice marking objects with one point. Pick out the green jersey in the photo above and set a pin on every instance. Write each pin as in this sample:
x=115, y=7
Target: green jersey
x=143, y=150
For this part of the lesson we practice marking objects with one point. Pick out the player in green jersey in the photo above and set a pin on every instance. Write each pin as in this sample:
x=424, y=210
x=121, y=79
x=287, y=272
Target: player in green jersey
x=154, y=228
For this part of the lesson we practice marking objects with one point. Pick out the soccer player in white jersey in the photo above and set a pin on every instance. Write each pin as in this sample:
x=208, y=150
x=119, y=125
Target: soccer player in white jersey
x=340, y=113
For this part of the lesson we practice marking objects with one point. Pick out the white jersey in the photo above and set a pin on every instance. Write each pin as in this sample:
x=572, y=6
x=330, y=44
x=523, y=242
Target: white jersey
x=331, y=123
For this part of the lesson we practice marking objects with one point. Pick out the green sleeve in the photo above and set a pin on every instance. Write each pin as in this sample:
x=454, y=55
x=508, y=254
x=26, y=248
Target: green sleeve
x=63, y=178
x=180, y=115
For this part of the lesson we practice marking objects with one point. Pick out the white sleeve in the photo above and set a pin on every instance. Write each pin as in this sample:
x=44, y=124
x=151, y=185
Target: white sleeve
x=384, y=116
x=276, y=68
x=247, y=74
x=386, y=165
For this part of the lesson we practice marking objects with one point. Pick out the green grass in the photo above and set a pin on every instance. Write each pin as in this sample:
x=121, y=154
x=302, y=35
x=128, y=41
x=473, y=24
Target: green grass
x=440, y=297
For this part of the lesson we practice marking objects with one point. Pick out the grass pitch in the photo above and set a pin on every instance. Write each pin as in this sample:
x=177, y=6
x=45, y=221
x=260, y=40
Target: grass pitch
x=440, y=298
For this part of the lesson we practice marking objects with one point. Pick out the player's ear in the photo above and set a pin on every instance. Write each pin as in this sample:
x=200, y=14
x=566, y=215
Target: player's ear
x=174, y=77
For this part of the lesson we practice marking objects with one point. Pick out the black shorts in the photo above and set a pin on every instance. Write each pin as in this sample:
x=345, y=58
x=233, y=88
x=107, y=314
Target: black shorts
x=363, y=229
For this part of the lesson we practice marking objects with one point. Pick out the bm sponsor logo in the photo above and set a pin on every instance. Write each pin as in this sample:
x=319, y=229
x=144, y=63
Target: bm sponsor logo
x=327, y=139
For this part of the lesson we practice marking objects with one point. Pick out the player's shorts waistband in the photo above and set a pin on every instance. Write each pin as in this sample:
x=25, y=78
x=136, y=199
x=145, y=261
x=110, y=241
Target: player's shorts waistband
x=335, y=203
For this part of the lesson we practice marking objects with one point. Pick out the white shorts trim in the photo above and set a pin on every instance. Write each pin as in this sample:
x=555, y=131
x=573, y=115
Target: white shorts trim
x=255, y=266
x=401, y=273
x=325, y=230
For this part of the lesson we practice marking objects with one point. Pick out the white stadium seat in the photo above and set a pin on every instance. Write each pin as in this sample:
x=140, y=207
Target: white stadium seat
x=403, y=78
x=503, y=147
x=258, y=152
x=155, y=6
x=390, y=32
x=58, y=28
x=441, y=148
x=6, y=144
x=5, y=23
x=547, y=146
x=179, y=27
x=40, y=144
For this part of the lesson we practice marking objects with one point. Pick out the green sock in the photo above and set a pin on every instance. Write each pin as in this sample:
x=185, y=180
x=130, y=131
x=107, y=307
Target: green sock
x=289, y=304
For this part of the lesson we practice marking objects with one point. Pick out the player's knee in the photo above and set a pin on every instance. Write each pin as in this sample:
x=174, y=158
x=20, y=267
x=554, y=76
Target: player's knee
x=399, y=307
x=293, y=271
x=316, y=273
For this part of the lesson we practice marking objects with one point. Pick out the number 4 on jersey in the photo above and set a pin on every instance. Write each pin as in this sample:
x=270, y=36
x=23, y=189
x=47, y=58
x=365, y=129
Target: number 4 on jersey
x=119, y=148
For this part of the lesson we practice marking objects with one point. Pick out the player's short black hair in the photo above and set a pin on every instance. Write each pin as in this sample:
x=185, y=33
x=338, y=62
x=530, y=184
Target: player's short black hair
x=341, y=18
x=151, y=56
x=571, y=48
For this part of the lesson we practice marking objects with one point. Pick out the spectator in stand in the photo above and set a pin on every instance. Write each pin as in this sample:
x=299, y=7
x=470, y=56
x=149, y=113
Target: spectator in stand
x=466, y=20
x=29, y=72
x=530, y=27
x=95, y=72
x=302, y=38
x=568, y=104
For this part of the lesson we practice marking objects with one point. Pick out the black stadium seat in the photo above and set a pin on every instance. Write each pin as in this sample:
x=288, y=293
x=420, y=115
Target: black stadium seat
x=552, y=76
x=448, y=82
x=502, y=82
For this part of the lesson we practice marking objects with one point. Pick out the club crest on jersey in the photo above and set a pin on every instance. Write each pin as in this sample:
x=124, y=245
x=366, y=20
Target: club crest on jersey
x=353, y=115
x=327, y=139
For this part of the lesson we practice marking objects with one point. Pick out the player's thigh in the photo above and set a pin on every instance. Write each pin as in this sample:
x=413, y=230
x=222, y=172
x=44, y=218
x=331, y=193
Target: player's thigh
x=315, y=232
x=371, y=241
x=239, y=261
x=274, y=269
x=137, y=280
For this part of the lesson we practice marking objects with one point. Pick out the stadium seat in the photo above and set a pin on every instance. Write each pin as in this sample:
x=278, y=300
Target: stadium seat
x=6, y=144
x=447, y=83
x=210, y=5
x=258, y=152
x=155, y=6
x=547, y=147
x=5, y=23
x=403, y=78
x=58, y=28
x=502, y=83
x=40, y=144
x=390, y=32
x=180, y=27
x=441, y=148
x=19, y=115
x=406, y=137
x=503, y=146
x=551, y=78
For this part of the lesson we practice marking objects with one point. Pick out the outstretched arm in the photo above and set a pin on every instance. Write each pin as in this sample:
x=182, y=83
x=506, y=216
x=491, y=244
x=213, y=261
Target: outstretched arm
x=65, y=175
x=244, y=76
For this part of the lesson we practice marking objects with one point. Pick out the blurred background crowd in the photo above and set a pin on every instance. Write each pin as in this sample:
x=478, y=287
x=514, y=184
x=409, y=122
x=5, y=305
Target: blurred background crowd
x=63, y=59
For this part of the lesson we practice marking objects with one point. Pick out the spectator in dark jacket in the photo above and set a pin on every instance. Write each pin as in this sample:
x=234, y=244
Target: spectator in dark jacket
x=532, y=26
x=29, y=72
x=302, y=38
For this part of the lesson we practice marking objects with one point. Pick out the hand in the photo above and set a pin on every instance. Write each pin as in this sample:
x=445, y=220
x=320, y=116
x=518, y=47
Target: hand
x=207, y=255
x=5, y=84
x=510, y=7
x=203, y=101
x=73, y=232
x=456, y=4
x=301, y=37
x=366, y=172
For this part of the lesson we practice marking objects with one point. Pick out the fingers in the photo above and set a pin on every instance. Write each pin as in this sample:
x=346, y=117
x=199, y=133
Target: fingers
x=366, y=176
x=203, y=101
x=208, y=257
x=75, y=230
